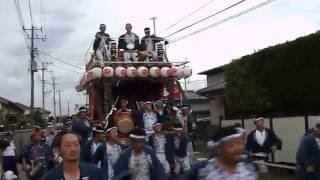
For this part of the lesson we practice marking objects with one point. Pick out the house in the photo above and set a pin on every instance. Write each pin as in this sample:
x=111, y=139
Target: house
x=198, y=104
x=9, y=108
x=44, y=113
x=215, y=92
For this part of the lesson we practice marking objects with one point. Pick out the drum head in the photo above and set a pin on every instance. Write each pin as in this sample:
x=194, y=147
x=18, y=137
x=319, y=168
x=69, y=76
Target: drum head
x=130, y=46
x=125, y=125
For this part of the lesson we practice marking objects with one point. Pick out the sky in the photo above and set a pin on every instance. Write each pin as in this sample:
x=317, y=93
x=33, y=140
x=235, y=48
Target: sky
x=69, y=27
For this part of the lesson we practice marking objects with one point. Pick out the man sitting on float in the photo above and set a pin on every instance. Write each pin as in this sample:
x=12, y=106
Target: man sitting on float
x=101, y=42
x=148, y=43
x=129, y=42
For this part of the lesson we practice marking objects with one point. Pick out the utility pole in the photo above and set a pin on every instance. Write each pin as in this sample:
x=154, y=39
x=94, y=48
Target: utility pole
x=33, y=65
x=43, y=81
x=59, y=105
x=68, y=108
x=54, y=98
x=154, y=24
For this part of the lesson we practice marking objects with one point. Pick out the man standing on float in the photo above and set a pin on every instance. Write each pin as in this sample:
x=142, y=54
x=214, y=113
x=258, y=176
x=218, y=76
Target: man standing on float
x=129, y=42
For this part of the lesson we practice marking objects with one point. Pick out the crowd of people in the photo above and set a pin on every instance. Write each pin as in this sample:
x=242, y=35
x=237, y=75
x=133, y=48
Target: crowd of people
x=82, y=150
x=129, y=45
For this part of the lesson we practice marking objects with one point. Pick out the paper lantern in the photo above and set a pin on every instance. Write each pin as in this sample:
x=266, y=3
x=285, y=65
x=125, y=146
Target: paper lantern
x=154, y=72
x=131, y=72
x=108, y=72
x=186, y=72
x=165, y=72
x=121, y=72
x=143, y=71
x=176, y=71
x=94, y=73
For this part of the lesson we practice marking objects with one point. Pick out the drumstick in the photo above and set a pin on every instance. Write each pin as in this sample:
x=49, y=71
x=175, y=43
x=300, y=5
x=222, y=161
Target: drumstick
x=154, y=105
x=137, y=103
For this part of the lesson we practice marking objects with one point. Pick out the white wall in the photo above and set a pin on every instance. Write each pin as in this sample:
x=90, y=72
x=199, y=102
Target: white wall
x=313, y=120
x=290, y=131
x=230, y=122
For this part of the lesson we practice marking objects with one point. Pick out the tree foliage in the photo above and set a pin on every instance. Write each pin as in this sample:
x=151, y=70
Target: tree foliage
x=279, y=80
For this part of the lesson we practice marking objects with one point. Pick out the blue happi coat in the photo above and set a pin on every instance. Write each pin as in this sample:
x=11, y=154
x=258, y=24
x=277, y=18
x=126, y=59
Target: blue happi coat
x=180, y=151
x=86, y=152
x=121, y=168
x=169, y=148
x=308, y=154
x=87, y=172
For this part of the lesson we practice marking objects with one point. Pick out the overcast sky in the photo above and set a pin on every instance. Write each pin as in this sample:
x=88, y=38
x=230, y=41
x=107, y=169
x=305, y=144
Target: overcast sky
x=70, y=26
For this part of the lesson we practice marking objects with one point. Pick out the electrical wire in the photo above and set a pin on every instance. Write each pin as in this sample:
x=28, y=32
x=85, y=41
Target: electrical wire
x=18, y=10
x=197, y=22
x=69, y=70
x=30, y=11
x=190, y=14
x=60, y=60
x=224, y=20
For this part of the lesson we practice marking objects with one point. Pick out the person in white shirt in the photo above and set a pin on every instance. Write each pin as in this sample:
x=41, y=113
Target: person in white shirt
x=262, y=142
x=129, y=42
x=108, y=152
x=149, y=118
x=8, y=155
x=91, y=146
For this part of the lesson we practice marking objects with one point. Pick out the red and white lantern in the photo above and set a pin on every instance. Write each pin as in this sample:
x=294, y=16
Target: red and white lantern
x=143, y=71
x=108, y=72
x=154, y=72
x=94, y=73
x=131, y=72
x=176, y=71
x=186, y=72
x=121, y=72
x=165, y=72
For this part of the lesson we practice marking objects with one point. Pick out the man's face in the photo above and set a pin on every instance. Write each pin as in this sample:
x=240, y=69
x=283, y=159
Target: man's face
x=83, y=114
x=70, y=148
x=113, y=134
x=232, y=150
x=185, y=111
x=36, y=138
x=128, y=27
x=99, y=136
x=102, y=28
x=147, y=32
x=137, y=144
x=148, y=107
x=141, y=105
x=178, y=132
x=124, y=104
x=158, y=128
x=260, y=124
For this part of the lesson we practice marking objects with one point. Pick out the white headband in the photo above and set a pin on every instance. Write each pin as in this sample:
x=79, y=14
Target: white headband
x=177, y=129
x=227, y=138
x=98, y=130
x=109, y=129
x=137, y=136
x=156, y=124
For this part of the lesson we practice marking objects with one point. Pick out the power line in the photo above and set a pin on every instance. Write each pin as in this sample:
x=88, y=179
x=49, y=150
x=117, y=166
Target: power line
x=30, y=11
x=197, y=22
x=18, y=10
x=224, y=20
x=190, y=14
x=60, y=60
x=69, y=70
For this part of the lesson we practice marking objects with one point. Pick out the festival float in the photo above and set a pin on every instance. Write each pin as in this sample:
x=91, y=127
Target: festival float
x=107, y=82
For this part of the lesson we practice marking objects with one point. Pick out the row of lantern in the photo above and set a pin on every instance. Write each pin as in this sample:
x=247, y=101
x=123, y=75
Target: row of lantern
x=132, y=72
x=142, y=71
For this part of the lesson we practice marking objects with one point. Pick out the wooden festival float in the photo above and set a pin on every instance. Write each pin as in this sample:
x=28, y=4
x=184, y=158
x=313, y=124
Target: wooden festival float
x=106, y=83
